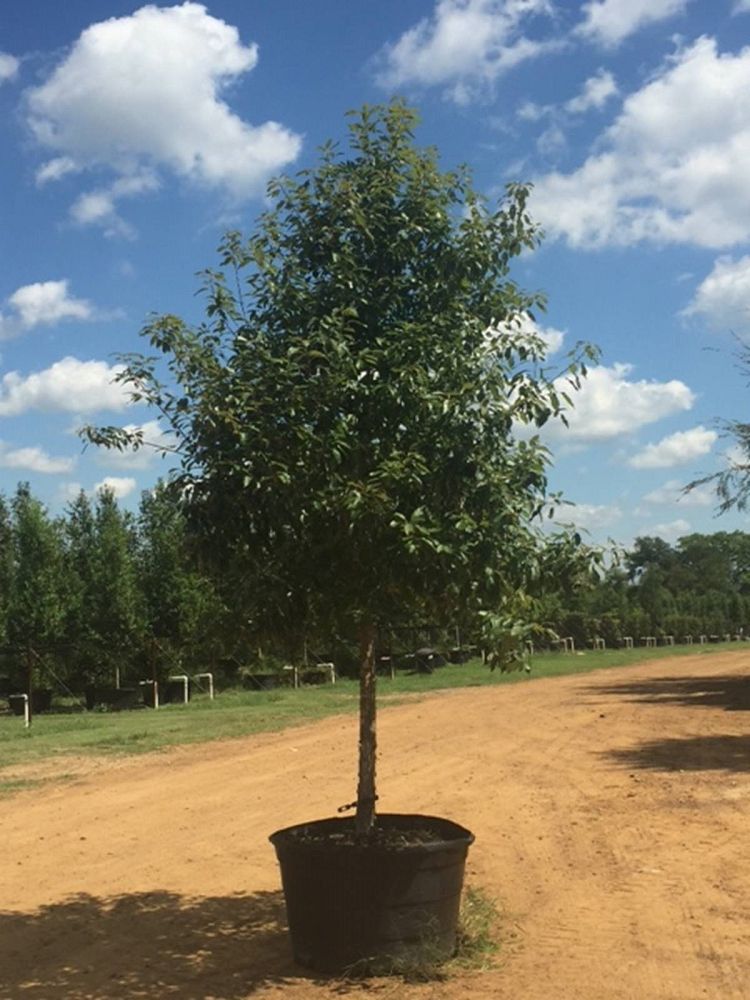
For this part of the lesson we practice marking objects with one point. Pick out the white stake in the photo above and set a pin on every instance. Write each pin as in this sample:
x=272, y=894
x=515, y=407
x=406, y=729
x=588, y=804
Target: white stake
x=155, y=685
x=331, y=671
x=210, y=677
x=185, y=686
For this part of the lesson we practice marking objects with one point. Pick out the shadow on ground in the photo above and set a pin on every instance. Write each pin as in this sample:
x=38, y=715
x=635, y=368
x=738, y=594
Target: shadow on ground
x=730, y=692
x=151, y=945
x=695, y=753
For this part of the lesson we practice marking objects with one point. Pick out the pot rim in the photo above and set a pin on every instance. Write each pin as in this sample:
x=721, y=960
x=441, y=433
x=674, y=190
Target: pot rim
x=452, y=835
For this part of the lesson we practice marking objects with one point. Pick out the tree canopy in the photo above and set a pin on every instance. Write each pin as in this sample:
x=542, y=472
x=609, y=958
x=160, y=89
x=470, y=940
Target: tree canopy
x=732, y=481
x=347, y=415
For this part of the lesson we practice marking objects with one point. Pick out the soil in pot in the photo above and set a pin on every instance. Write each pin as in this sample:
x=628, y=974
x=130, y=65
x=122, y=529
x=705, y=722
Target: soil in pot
x=382, y=901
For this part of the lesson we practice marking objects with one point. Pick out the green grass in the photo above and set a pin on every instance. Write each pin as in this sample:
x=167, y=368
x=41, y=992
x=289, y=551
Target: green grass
x=477, y=945
x=232, y=714
x=241, y=713
x=478, y=924
x=10, y=786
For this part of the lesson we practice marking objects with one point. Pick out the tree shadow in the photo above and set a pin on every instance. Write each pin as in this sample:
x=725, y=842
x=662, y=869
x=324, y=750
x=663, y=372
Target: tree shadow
x=695, y=753
x=730, y=692
x=152, y=945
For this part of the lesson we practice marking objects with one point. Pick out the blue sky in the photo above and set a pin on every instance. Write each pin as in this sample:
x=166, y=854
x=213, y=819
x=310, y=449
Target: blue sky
x=133, y=136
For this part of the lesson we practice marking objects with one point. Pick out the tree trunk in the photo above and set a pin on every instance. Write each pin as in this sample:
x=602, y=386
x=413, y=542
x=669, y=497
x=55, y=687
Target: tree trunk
x=367, y=732
x=29, y=680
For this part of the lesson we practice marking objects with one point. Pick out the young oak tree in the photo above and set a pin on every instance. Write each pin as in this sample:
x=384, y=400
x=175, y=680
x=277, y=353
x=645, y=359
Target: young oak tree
x=347, y=416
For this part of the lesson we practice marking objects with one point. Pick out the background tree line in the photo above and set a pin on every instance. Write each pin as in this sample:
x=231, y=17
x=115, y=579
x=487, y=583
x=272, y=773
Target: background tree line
x=698, y=586
x=100, y=588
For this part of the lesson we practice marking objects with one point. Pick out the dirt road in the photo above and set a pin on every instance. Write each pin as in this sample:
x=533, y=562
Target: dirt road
x=612, y=815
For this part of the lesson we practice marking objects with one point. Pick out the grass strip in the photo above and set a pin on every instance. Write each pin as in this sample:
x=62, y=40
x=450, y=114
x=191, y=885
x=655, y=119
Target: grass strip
x=237, y=713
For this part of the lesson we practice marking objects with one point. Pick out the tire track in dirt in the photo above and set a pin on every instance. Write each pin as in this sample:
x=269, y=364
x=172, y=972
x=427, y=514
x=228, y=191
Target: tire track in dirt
x=610, y=816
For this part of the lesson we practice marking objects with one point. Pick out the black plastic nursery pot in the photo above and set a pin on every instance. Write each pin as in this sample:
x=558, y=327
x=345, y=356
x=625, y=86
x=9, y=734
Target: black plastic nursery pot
x=41, y=701
x=16, y=703
x=112, y=697
x=147, y=694
x=352, y=903
x=173, y=692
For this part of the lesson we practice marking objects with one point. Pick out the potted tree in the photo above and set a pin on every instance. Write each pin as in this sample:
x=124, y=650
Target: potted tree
x=265, y=674
x=348, y=422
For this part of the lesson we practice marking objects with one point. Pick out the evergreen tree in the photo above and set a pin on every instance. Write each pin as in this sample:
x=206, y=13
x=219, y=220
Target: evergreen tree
x=6, y=566
x=115, y=616
x=182, y=610
x=80, y=568
x=37, y=607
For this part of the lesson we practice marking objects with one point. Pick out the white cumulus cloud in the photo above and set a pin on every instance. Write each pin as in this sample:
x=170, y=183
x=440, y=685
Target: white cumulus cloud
x=610, y=22
x=143, y=92
x=67, y=492
x=48, y=302
x=155, y=441
x=675, y=449
x=551, y=141
x=98, y=207
x=43, y=303
x=590, y=516
x=33, y=460
x=609, y=404
x=670, y=531
x=8, y=66
x=54, y=169
x=552, y=338
x=464, y=43
x=529, y=111
x=671, y=492
x=723, y=297
x=595, y=93
x=121, y=486
x=672, y=168
x=67, y=386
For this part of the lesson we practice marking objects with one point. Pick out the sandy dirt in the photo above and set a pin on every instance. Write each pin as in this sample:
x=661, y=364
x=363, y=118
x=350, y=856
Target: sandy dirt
x=612, y=816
